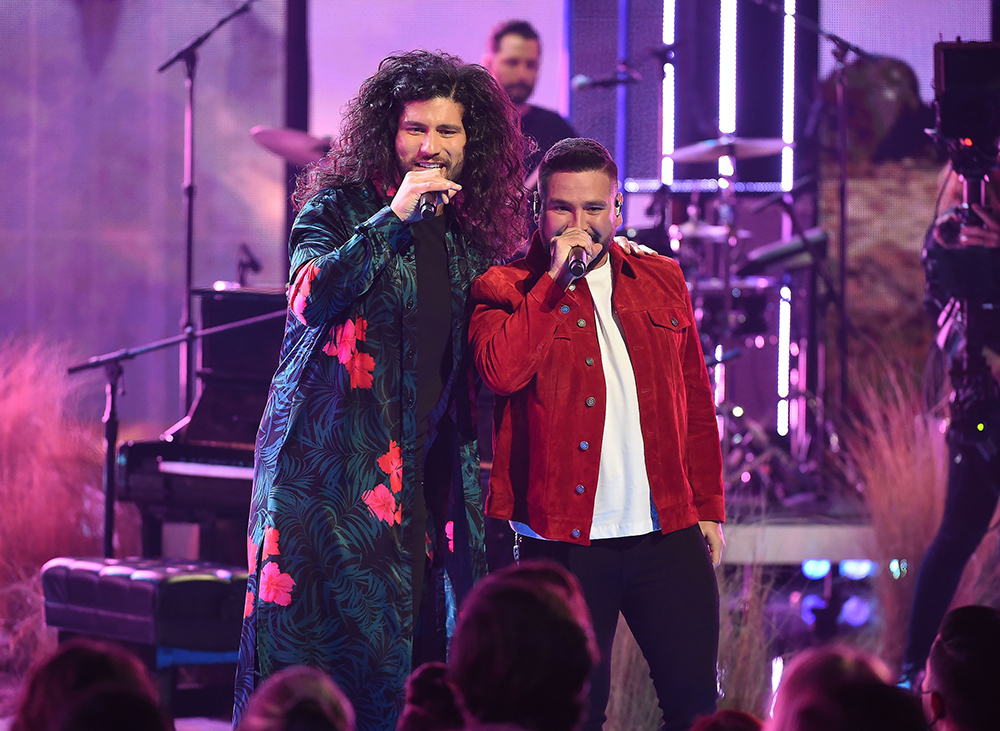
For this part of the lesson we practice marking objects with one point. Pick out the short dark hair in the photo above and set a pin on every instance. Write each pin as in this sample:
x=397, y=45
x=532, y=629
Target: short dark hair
x=575, y=155
x=111, y=705
x=298, y=697
x=513, y=27
x=73, y=668
x=965, y=665
x=524, y=648
x=858, y=706
x=432, y=701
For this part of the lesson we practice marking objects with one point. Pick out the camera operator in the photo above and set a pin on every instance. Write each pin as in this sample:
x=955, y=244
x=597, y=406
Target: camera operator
x=969, y=337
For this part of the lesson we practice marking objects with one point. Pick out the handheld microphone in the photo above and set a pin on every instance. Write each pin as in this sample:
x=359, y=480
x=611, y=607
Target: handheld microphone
x=577, y=262
x=428, y=205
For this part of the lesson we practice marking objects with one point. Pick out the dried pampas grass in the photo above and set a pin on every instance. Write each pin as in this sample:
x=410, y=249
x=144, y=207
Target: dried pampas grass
x=51, y=501
x=900, y=457
x=744, y=640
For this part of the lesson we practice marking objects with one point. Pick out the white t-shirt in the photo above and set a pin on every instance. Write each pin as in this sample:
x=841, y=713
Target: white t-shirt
x=622, y=504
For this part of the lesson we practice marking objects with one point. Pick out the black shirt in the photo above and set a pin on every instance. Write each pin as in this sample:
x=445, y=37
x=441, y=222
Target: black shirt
x=546, y=128
x=433, y=320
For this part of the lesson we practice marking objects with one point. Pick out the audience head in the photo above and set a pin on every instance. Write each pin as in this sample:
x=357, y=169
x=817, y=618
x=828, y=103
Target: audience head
x=860, y=705
x=431, y=701
x=298, y=699
x=962, y=679
x=111, y=706
x=728, y=720
x=524, y=648
x=73, y=668
x=815, y=673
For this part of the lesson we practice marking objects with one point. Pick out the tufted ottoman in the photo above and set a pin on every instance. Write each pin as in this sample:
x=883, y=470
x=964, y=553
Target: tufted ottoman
x=170, y=613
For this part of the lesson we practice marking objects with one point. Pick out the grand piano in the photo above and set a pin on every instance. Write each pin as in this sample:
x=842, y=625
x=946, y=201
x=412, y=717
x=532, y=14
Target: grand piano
x=200, y=470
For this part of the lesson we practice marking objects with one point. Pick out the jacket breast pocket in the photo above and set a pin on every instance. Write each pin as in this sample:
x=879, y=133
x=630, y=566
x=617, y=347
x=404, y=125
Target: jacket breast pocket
x=672, y=319
x=669, y=334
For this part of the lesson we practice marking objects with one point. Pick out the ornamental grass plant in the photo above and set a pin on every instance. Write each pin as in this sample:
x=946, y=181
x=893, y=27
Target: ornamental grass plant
x=898, y=455
x=51, y=501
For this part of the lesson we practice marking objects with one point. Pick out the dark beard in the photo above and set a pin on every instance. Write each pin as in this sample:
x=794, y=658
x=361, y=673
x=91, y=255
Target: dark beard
x=519, y=93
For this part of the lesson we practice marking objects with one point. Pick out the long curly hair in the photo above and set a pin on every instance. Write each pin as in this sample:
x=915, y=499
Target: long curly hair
x=490, y=204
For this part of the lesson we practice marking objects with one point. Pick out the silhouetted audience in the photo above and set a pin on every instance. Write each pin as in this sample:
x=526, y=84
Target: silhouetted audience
x=728, y=720
x=75, y=667
x=856, y=706
x=523, y=650
x=842, y=689
x=962, y=681
x=298, y=699
x=111, y=707
x=817, y=671
x=431, y=701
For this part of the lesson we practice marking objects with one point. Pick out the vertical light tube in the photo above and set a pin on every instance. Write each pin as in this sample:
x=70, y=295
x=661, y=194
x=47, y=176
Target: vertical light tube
x=621, y=97
x=720, y=376
x=669, y=96
x=788, y=97
x=784, y=342
x=727, y=77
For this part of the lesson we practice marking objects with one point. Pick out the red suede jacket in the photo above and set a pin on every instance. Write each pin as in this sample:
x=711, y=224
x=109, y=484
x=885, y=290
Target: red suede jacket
x=536, y=347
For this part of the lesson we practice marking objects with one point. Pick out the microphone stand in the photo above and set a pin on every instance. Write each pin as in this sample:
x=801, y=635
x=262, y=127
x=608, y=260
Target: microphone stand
x=112, y=365
x=189, y=54
x=840, y=53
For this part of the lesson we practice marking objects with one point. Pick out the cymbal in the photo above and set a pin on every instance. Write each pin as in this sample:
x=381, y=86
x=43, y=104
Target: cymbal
x=295, y=146
x=741, y=148
x=702, y=230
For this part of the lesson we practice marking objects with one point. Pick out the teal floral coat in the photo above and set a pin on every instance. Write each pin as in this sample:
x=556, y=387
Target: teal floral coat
x=332, y=491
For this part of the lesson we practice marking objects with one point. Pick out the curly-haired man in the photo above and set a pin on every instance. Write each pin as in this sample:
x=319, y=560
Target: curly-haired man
x=366, y=509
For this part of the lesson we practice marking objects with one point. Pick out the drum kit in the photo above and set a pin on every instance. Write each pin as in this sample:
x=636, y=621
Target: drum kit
x=736, y=302
x=731, y=309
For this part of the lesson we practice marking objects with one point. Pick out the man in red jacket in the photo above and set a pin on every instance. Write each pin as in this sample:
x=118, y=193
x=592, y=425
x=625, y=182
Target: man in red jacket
x=606, y=447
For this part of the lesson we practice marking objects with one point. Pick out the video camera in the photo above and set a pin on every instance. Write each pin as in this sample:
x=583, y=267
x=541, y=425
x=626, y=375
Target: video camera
x=967, y=98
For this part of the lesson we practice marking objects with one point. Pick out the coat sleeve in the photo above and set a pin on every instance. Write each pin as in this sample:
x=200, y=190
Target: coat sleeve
x=335, y=259
x=704, y=458
x=510, y=332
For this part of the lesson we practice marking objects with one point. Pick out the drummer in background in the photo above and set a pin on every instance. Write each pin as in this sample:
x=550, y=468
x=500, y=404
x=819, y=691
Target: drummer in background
x=513, y=55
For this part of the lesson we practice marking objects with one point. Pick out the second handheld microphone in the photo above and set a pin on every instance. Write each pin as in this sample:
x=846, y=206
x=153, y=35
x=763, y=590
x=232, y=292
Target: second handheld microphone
x=428, y=205
x=577, y=261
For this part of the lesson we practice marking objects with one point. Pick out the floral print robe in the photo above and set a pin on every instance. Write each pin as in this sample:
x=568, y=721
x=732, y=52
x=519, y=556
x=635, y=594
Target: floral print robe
x=332, y=491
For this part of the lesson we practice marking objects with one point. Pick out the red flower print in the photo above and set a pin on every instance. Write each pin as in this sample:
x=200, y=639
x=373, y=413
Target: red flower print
x=449, y=532
x=275, y=586
x=251, y=555
x=392, y=464
x=298, y=293
x=270, y=542
x=248, y=605
x=382, y=504
x=360, y=369
x=344, y=339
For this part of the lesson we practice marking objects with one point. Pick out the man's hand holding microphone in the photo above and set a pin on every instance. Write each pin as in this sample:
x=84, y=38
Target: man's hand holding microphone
x=420, y=192
x=570, y=253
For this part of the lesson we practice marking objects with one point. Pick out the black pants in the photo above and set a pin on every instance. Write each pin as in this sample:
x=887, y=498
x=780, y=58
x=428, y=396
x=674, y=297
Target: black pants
x=973, y=490
x=665, y=587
